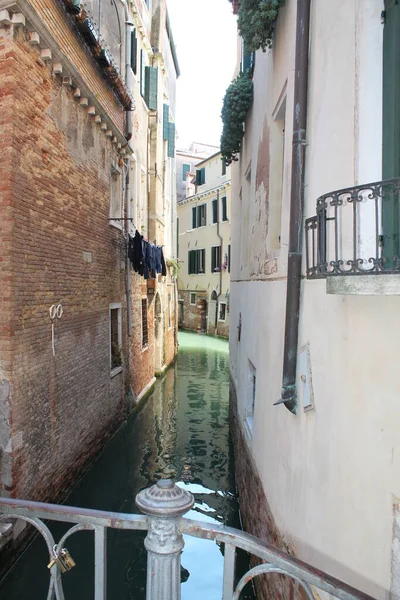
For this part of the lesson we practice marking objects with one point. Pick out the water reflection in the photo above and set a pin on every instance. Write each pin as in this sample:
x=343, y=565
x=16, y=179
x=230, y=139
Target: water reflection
x=181, y=432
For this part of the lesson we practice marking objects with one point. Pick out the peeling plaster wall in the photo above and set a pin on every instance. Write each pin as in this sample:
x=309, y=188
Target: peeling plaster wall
x=328, y=474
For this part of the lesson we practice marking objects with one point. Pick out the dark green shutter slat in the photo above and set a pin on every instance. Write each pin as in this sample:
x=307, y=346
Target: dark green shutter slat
x=224, y=212
x=171, y=140
x=198, y=176
x=194, y=217
x=203, y=176
x=214, y=211
x=134, y=51
x=165, y=121
x=151, y=87
x=185, y=169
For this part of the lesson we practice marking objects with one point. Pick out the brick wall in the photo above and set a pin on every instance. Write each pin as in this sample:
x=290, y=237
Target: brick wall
x=142, y=358
x=190, y=311
x=257, y=517
x=62, y=407
x=53, y=17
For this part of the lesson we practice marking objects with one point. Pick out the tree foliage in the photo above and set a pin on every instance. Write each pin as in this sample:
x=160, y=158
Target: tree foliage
x=236, y=104
x=256, y=23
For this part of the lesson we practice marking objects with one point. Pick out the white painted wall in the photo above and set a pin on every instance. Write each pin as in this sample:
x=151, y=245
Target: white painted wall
x=330, y=474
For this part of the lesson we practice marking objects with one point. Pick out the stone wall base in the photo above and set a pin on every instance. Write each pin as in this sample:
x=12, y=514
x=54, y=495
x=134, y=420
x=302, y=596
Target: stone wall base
x=256, y=514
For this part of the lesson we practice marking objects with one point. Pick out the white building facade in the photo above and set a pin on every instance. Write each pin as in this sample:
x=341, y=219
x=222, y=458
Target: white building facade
x=205, y=249
x=324, y=475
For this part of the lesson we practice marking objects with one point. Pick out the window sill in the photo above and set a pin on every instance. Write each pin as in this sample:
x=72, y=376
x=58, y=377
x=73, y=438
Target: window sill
x=115, y=224
x=364, y=285
x=115, y=371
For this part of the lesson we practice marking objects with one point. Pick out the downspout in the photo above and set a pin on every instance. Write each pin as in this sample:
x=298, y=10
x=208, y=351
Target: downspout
x=289, y=392
x=128, y=135
x=220, y=266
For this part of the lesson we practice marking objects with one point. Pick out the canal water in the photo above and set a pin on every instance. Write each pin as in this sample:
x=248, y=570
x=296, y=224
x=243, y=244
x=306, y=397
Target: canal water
x=181, y=431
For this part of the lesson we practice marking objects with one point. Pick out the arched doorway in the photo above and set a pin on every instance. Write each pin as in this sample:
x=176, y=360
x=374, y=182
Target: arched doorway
x=213, y=313
x=158, y=335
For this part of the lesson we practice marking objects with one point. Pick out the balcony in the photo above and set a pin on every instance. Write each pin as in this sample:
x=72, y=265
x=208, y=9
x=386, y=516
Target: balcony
x=163, y=506
x=354, y=237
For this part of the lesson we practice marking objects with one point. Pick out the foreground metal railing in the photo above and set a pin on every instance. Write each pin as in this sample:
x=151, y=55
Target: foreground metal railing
x=164, y=505
x=356, y=231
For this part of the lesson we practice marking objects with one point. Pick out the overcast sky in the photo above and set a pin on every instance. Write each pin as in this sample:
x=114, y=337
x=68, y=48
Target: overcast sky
x=205, y=37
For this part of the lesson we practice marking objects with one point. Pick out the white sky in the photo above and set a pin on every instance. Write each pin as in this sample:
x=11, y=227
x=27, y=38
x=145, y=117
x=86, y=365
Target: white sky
x=205, y=37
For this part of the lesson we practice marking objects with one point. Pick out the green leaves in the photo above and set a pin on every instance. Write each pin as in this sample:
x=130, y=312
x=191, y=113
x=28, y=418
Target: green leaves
x=236, y=104
x=256, y=22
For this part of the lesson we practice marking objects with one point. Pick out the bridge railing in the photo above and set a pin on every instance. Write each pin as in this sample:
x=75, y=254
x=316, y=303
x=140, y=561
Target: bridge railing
x=164, y=505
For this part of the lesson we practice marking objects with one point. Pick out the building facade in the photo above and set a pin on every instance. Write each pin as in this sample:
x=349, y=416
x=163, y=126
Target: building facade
x=82, y=335
x=185, y=163
x=314, y=390
x=205, y=249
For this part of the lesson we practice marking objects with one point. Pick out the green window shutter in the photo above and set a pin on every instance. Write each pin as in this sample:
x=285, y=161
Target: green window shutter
x=224, y=212
x=223, y=167
x=194, y=217
x=151, y=87
x=134, y=51
x=171, y=140
x=165, y=121
x=214, y=211
x=198, y=176
x=185, y=169
x=203, y=176
x=190, y=262
x=229, y=258
x=197, y=261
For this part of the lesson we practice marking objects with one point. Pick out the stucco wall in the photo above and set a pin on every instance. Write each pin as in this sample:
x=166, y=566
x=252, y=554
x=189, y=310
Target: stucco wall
x=329, y=474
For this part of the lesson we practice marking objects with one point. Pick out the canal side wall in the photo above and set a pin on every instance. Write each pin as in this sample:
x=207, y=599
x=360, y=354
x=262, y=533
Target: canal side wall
x=256, y=514
x=57, y=248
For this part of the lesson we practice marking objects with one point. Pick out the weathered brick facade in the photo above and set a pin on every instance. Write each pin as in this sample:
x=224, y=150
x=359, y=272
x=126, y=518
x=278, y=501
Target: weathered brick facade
x=56, y=246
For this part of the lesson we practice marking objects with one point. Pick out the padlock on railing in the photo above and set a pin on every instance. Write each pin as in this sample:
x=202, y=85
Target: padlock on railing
x=63, y=560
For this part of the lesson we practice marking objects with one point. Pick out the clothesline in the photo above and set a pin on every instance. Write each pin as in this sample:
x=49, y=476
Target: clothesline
x=131, y=220
x=146, y=258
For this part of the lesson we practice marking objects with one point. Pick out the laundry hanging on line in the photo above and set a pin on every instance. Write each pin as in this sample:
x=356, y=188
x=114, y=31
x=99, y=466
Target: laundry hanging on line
x=146, y=259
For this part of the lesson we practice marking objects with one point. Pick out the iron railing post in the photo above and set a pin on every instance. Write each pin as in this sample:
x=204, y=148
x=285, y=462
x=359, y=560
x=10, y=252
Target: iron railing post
x=164, y=503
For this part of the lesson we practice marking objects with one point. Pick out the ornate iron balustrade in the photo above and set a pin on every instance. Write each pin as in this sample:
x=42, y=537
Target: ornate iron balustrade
x=163, y=505
x=355, y=232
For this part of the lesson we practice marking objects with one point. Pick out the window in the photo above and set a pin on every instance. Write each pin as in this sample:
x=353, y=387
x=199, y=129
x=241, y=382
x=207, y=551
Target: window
x=199, y=215
x=215, y=211
x=229, y=258
x=192, y=299
x=196, y=261
x=277, y=138
x=224, y=211
x=251, y=396
x=215, y=259
x=116, y=196
x=145, y=332
x=185, y=169
x=200, y=176
x=248, y=60
x=115, y=337
x=222, y=311
x=223, y=167
x=134, y=51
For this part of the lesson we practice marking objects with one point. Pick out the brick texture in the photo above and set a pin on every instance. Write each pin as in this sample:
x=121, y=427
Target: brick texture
x=54, y=207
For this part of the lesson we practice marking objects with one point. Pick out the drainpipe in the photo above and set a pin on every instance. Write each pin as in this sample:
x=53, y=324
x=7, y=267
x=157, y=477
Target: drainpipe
x=128, y=135
x=289, y=392
x=220, y=266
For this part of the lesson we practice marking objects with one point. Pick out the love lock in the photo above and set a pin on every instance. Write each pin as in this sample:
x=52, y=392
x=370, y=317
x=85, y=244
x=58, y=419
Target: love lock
x=63, y=560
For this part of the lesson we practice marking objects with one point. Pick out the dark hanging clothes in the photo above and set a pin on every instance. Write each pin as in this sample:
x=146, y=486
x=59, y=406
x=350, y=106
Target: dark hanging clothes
x=153, y=261
x=146, y=259
x=163, y=266
x=135, y=252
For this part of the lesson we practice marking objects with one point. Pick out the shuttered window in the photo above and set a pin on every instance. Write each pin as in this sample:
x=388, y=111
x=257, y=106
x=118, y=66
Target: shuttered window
x=196, y=261
x=215, y=259
x=229, y=258
x=200, y=176
x=215, y=211
x=199, y=216
x=151, y=87
x=223, y=167
x=134, y=51
x=165, y=121
x=224, y=210
x=185, y=169
x=145, y=332
x=142, y=72
x=171, y=140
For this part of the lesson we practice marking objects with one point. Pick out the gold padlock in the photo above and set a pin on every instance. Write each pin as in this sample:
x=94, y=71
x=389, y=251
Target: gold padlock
x=58, y=562
x=67, y=560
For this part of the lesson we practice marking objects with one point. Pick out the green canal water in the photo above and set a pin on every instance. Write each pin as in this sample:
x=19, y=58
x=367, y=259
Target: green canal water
x=181, y=431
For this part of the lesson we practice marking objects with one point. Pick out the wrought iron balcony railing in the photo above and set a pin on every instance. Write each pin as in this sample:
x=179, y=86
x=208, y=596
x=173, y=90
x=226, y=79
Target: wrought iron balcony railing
x=164, y=505
x=355, y=231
